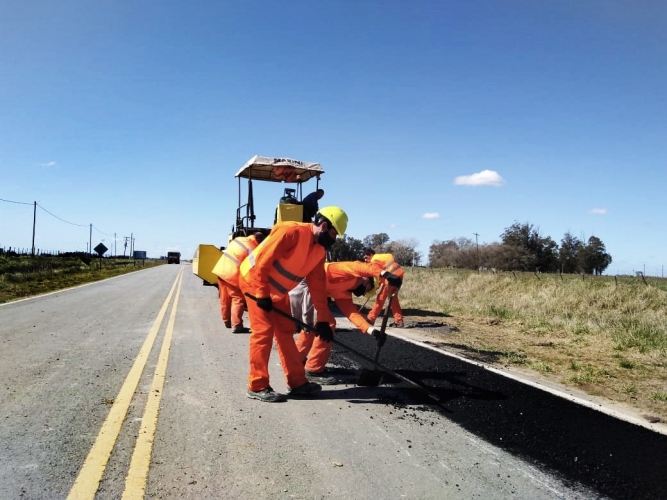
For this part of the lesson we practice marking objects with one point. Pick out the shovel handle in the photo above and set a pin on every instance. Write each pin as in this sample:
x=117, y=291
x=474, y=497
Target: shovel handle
x=359, y=355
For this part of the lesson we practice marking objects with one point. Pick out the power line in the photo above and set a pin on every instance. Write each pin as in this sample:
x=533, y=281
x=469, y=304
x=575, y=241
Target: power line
x=53, y=215
x=17, y=202
x=102, y=232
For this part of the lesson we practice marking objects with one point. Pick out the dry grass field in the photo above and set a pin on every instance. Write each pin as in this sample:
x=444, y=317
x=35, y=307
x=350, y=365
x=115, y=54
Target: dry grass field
x=603, y=335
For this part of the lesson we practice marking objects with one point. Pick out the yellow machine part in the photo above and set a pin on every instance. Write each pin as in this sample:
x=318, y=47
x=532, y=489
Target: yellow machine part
x=287, y=212
x=203, y=262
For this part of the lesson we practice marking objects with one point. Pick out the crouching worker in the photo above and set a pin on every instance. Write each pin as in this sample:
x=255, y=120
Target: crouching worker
x=232, y=301
x=293, y=251
x=344, y=279
x=391, y=279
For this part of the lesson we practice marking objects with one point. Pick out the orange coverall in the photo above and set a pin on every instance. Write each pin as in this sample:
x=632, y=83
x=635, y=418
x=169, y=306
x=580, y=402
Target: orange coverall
x=284, y=258
x=386, y=262
x=232, y=301
x=342, y=278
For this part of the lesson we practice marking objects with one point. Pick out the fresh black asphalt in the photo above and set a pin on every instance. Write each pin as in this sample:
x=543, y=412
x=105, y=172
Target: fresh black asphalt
x=579, y=444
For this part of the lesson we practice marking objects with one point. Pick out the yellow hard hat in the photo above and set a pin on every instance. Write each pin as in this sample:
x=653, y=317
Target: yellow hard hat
x=372, y=291
x=337, y=217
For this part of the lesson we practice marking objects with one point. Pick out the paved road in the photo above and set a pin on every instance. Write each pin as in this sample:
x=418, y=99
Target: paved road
x=132, y=387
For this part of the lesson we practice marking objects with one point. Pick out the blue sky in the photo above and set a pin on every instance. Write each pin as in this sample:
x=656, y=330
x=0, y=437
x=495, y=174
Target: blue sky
x=432, y=119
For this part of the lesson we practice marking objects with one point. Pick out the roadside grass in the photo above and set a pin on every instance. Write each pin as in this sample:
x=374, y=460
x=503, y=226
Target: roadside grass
x=26, y=276
x=603, y=335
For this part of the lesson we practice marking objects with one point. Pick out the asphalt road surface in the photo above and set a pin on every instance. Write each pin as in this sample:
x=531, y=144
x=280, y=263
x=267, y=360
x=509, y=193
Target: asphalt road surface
x=133, y=388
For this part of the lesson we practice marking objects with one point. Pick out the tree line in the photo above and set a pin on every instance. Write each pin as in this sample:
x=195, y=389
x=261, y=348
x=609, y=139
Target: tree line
x=521, y=248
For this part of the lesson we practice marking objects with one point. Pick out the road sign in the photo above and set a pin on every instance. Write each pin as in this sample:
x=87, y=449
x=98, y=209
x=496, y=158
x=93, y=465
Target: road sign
x=100, y=249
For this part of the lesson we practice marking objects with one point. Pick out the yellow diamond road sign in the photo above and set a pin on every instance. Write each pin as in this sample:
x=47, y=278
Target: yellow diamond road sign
x=100, y=249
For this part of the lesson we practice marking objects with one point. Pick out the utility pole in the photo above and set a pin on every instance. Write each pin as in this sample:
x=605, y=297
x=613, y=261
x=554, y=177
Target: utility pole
x=115, y=252
x=125, y=238
x=91, y=239
x=132, y=245
x=34, y=220
x=477, y=243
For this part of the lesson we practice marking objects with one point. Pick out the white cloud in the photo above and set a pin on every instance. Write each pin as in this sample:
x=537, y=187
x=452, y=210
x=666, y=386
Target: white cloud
x=483, y=178
x=49, y=164
x=392, y=225
x=597, y=211
x=431, y=215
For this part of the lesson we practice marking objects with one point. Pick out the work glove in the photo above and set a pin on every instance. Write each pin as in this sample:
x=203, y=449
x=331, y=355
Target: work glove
x=392, y=279
x=265, y=304
x=379, y=336
x=324, y=331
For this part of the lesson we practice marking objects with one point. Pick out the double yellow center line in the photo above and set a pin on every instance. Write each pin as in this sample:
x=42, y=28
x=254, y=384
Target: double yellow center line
x=89, y=477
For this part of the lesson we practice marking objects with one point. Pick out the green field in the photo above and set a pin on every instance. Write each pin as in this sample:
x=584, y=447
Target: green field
x=25, y=276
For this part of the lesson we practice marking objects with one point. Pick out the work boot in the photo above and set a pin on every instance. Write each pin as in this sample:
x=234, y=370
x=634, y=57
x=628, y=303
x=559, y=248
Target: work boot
x=400, y=324
x=240, y=329
x=267, y=395
x=228, y=324
x=307, y=389
x=321, y=378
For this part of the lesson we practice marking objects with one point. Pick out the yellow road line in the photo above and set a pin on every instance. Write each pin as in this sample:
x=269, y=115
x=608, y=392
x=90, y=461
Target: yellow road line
x=89, y=477
x=137, y=475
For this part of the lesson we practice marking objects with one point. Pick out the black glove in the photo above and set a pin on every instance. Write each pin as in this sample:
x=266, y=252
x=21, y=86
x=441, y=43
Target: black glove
x=380, y=337
x=265, y=304
x=324, y=331
x=392, y=279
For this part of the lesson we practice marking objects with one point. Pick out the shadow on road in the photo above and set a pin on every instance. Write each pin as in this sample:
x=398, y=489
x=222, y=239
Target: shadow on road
x=618, y=459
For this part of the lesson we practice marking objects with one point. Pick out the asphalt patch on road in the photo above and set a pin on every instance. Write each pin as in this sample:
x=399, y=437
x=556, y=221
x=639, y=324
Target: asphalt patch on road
x=616, y=458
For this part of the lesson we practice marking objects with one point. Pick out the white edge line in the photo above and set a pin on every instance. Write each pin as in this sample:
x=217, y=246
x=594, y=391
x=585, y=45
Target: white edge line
x=594, y=406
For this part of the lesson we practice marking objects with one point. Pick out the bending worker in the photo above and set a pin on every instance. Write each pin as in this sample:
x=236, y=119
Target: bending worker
x=343, y=280
x=232, y=301
x=391, y=279
x=293, y=251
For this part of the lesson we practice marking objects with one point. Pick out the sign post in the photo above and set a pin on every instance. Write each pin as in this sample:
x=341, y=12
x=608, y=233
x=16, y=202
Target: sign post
x=100, y=249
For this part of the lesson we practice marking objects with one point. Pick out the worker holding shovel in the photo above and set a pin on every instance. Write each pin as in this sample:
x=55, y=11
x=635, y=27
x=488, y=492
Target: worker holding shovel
x=391, y=276
x=343, y=280
x=293, y=251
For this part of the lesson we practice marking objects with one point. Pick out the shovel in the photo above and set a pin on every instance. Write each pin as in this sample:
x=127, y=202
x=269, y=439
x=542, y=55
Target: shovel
x=369, y=298
x=372, y=378
x=365, y=358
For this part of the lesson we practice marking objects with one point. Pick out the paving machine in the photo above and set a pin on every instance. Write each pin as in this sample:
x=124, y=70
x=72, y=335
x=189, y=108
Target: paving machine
x=293, y=173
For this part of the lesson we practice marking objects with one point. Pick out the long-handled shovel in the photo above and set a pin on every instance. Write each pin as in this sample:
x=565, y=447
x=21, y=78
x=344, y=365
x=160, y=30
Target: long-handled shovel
x=369, y=298
x=372, y=378
x=361, y=356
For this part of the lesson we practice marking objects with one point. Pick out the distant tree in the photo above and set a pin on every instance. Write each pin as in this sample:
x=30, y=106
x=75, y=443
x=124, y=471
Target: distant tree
x=404, y=251
x=346, y=248
x=595, y=257
x=466, y=257
x=543, y=250
x=377, y=242
x=570, y=254
x=443, y=253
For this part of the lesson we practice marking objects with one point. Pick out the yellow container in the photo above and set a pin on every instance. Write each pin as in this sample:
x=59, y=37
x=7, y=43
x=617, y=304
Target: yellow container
x=203, y=262
x=288, y=212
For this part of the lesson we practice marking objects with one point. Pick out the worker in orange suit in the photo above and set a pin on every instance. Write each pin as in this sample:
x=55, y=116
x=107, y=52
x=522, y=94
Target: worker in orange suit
x=391, y=279
x=232, y=301
x=293, y=251
x=343, y=280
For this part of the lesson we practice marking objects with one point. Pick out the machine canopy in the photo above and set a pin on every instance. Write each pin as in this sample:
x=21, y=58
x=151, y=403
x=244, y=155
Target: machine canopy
x=264, y=168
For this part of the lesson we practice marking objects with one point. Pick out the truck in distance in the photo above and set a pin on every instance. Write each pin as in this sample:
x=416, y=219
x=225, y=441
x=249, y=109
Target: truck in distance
x=173, y=257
